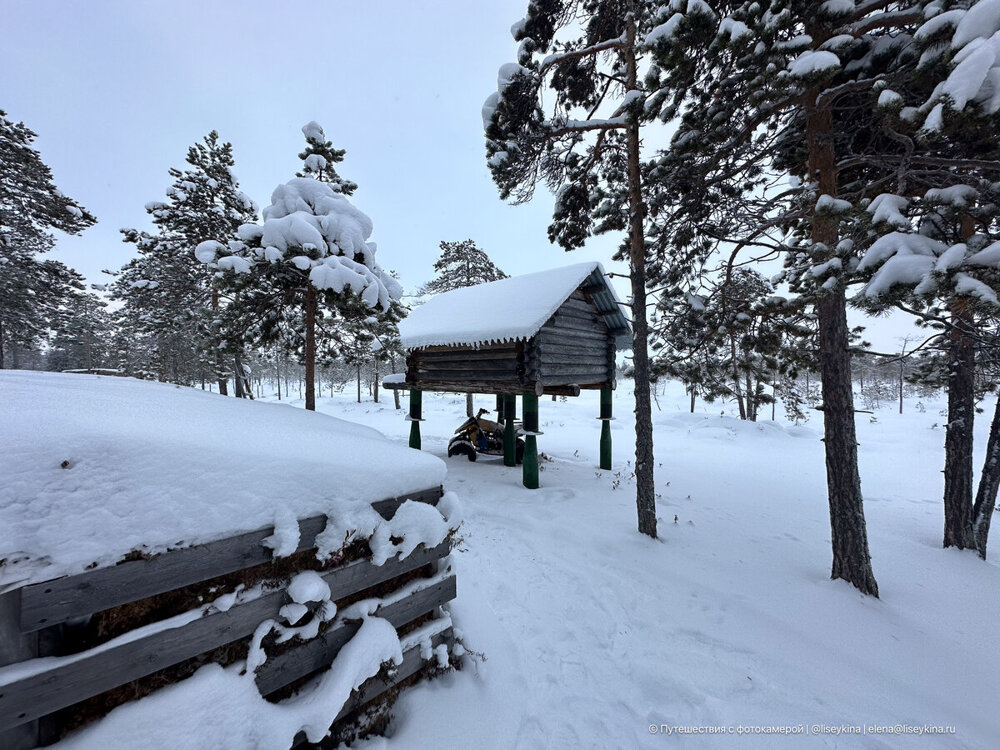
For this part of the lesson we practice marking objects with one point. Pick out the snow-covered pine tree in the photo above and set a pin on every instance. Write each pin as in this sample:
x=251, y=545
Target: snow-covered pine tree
x=938, y=254
x=319, y=157
x=732, y=341
x=461, y=264
x=83, y=338
x=581, y=59
x=31, y=289
x=307, y=265
x=168, y=296
x=764, y=88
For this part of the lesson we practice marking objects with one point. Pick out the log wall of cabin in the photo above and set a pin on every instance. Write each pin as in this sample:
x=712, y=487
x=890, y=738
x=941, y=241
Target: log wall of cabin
x=488, y=369
x=573, y=347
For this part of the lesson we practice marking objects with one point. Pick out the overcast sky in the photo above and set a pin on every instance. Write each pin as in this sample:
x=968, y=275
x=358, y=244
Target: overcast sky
x=117, y=91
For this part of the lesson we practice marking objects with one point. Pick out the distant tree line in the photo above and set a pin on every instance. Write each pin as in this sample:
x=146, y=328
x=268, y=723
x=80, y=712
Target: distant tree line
x=209, y=300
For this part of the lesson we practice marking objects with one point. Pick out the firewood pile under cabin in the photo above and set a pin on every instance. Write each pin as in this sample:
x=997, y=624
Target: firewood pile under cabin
x=554, y=332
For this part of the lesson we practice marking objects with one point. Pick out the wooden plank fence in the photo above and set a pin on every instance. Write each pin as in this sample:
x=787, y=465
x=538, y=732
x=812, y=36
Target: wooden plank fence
x=31, y=620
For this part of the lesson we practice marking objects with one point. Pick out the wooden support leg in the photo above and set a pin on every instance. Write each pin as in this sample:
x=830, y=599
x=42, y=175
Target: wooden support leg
x=500, y=409
x=529, y=468
x=416, y=402
x=509, y=437
x=606, y=394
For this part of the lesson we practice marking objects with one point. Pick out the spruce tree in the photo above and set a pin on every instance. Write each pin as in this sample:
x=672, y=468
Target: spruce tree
x=32, y=289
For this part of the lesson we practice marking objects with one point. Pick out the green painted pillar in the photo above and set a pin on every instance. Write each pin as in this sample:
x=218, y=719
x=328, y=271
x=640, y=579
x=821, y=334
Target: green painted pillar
x=529, y=468
x=606, y=418
x=500, y=409
x=509, y=436
x=416, y=402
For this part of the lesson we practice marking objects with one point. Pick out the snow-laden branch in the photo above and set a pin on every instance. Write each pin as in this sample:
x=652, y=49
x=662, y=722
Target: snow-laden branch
x=593, y=49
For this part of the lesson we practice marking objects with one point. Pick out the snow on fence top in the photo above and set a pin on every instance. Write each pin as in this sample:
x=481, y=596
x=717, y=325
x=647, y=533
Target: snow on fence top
x=92, y=468
x=496, y=312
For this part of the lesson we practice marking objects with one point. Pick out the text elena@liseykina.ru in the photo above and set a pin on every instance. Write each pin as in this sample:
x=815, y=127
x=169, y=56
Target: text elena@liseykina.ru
x=818, y=729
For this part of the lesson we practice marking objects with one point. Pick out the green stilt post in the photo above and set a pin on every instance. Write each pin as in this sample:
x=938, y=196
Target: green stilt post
x=416, y=401
x=606, y=428
x=529, y=468
x=500, y=409
x=509, y=436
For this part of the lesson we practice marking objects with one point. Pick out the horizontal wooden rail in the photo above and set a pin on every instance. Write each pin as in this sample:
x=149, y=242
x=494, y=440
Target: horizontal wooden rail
x=75, y=678
x=52, y=602
x=319, y=652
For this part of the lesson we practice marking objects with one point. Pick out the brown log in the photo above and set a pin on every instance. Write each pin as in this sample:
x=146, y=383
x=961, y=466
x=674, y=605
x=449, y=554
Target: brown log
x=462, y=355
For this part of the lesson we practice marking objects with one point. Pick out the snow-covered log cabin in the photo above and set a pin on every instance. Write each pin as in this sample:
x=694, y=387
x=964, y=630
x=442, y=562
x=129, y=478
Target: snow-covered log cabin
x=552, y=332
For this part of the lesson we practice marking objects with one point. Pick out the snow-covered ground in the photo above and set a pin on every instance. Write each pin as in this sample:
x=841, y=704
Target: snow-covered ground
x=94, y=467
x=593, y=634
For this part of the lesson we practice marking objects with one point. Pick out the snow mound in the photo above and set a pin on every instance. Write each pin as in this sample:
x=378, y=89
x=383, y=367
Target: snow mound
x=96, y=467
x=496, y=312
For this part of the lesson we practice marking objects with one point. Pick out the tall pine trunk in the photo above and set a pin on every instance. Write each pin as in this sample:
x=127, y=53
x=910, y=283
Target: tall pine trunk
x=958, y=470
x=989, y=483
x=220, y=370
x=645, y=496
x=849, y=534
x=310, y=348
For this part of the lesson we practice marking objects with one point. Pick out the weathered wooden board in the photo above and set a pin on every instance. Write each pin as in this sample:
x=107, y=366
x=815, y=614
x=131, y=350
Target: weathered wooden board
x=51, y=602
x=571, y=347
x=489, y=367
x=91, y=674
x=15, y=647
x=373, y=688
x=463, y=355
x=580, y=358
x=319, y=652
x=556, y=333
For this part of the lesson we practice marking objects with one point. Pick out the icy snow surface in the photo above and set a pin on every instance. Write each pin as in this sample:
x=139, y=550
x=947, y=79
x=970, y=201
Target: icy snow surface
x=505, y=310
x=152, y=466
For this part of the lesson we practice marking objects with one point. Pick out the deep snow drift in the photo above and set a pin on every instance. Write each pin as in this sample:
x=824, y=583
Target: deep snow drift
x=94, y=467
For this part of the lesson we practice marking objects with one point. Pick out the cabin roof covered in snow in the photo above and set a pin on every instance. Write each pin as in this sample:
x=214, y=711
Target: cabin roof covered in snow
x=95, y=467
x=510, y=309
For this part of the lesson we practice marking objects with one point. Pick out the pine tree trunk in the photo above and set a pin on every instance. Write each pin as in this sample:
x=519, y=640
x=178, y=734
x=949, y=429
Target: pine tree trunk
x=469, y=405
x=359, y=384
x=849, y=535
x=645, y=497
x=692, y=399
x=1, y=345
x=736, y=379
x=375, y=380
x=219, y=367
x=310, y=348
x=240, y=391
x=989, y=483
x=958, y=469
